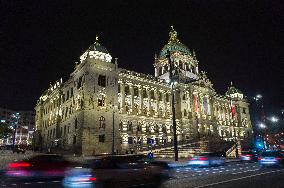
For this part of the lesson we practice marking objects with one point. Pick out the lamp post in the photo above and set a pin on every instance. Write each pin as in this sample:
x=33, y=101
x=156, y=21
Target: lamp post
x=16, y=117
x=113, y=130
x=172, y=81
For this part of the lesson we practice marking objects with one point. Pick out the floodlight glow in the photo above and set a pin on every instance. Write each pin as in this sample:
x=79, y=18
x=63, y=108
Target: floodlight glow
x=274, y=119
x=262, y=125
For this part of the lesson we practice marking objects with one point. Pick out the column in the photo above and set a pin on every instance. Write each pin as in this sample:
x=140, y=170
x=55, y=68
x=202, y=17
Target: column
x=132, y=97
x=157, y=101
x=140, y=90
x=122, y=91
x=149, y=101
x=165, y=104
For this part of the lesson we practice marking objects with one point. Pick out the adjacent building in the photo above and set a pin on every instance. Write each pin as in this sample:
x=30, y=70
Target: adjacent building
x=23, y=121
x=102, y=106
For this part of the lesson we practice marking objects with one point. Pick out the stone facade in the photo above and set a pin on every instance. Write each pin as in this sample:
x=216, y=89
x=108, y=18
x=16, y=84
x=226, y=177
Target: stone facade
x=100, y=100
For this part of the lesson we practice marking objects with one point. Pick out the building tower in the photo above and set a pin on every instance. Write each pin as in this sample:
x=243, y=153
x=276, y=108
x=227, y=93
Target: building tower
x=100, y=101
x=185, y=62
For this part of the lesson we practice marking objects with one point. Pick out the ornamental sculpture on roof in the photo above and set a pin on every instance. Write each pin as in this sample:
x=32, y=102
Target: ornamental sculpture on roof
x=173, y=35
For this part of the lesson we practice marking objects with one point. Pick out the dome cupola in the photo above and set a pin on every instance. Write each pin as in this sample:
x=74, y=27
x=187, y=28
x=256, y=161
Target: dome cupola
x=174, y=45
x=183, y=62
x=96, y=51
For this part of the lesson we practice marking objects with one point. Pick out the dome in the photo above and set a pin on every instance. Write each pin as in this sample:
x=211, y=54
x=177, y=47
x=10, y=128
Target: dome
x=96, y=51
x=174, y=45
x=97, y=47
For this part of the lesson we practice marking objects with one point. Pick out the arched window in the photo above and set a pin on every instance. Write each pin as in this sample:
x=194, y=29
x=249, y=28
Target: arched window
x=184, y=112
x=102, y=122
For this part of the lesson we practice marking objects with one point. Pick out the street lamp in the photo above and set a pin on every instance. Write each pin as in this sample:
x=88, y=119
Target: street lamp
x=173, y=83
x=262, y=125
x=113, y=135
x=274, y=119
x=15, y=125
x=258, y=97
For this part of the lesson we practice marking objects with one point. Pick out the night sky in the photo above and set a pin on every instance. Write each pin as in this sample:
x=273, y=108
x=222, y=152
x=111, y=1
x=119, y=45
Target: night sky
x=239, y=41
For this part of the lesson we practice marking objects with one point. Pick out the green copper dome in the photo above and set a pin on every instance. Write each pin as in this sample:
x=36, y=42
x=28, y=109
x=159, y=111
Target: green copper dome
x=98, y=47
x=174, y=45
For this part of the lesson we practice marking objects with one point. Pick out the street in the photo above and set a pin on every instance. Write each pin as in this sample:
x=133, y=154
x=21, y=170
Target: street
x=232, y=174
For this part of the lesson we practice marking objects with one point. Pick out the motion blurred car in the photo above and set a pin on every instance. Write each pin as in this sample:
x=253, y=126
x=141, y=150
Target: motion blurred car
x=207, y=159
x=47, y=166
x=117, y=171
x=249, y=156
x=271, y=158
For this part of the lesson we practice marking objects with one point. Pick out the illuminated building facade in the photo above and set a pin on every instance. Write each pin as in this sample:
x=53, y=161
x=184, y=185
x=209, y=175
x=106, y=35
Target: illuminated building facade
x=99, y=98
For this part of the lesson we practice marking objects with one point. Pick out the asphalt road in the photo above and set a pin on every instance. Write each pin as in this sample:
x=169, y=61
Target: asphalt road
x=232, y=175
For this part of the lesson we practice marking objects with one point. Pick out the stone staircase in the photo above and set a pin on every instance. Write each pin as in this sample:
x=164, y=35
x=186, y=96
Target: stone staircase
x=184, y=151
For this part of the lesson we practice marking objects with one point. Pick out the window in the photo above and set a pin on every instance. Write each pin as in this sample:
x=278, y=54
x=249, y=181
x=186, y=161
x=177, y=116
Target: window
x=68, y=130
x=64, y=130
x=184, y=97
x=139, y=127
x=102, y=122
x=102, y=81
x=71, y=91
x=129, y=126
x=118, y=89
x=63, y=97
x=136, y=91
x=102, y=138
x=160, y=96
x=67, y=95
x=244, y=110
x=184, y=112
x=101, y=100
x=127, y=90
x=79, y=82
x=76, y=122
x=144, y=93
x=74, y=139
x=152, y=94
x=130, y=140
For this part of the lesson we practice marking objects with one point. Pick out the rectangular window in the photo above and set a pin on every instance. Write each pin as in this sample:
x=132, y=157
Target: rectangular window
x=101, y=101
x=127, y=90
x=74, y=139
x=102, y=138
x=67, y=95
x=244, y=110
x=152, y=94
x=136, y=91
x=144, y=93
x=160, y=96
x=72, y=92
x=130, y=140
x=79, y=83
x=102, y=81
x=64, y=130
x=118, y=89
x=63, y=98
